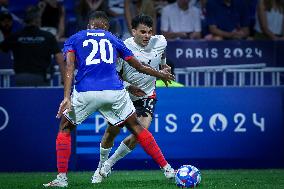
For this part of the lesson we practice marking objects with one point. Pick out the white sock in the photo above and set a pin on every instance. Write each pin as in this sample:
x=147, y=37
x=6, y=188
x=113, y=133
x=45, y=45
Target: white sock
x=119, y=153
x=167, y=167
x=104, y=153
x=62, y=175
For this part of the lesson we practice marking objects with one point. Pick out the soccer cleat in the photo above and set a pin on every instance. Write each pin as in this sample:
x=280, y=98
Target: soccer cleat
x=169, y=173
x=105, y=170
x=60, y=181
x=97, y=177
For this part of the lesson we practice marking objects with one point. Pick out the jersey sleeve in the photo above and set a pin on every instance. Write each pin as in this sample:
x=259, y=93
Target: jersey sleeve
x=124, y=52
x=159, y=43
x=69, y=45
x=119, y=64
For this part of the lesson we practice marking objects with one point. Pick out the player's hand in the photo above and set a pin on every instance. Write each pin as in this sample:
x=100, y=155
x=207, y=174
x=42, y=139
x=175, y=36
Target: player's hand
x=166, y=77
x=65, y=107
x=167, y=68
x=136, y=91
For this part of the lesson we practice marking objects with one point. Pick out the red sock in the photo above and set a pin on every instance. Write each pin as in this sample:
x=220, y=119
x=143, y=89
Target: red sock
x=150, y=146
x=63, y=151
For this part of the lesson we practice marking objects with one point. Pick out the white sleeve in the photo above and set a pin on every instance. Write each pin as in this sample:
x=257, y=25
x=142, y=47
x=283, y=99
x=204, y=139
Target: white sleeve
x=160, y=44
x=163, y=61
x=119, y=64
x=197, y=20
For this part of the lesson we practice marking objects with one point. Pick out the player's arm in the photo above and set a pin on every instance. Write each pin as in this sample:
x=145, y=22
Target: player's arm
x=162, y=74
x=130, y=88
x=68, y=79
x=128, y=56
x=164, y=64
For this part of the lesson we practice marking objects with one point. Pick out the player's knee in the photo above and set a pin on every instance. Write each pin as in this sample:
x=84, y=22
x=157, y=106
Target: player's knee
x=133, y=125
x=66, y=126
x=110, y=134
x=108, y=138
x=132, y=143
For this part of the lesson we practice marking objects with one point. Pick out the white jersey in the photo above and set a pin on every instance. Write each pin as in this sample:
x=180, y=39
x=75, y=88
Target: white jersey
x=150, y=55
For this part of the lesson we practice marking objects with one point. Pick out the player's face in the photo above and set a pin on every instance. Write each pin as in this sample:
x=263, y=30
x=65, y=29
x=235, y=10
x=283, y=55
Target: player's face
x=142, y=34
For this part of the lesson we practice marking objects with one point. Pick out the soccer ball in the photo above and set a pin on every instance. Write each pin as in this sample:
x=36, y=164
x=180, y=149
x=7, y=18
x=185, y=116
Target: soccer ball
x=188, y=176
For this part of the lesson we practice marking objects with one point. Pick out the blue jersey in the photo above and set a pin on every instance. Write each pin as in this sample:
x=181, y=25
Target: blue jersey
x=96, y=54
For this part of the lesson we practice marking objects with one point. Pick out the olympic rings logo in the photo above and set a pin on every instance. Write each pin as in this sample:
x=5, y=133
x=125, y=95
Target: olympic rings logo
x=6, y=118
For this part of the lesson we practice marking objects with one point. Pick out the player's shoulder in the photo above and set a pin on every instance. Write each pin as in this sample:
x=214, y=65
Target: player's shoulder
x=75, y=36
x=158, y=41
x=129, y=40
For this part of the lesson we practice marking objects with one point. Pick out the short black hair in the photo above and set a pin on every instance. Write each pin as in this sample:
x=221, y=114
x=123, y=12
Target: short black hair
x=142, y=19
x=5, y=15
x=32, y=14
x=98, y=15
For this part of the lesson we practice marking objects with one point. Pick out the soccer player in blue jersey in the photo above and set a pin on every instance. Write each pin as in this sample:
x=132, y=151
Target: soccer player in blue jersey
x=98, y=88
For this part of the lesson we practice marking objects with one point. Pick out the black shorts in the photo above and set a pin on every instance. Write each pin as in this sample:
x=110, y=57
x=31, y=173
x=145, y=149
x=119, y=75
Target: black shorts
x=145, y=105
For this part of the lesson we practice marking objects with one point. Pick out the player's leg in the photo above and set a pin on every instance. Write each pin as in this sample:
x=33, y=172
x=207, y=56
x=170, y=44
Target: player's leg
x=122, y=112
x=63, y=152
x=107, y=142
x=83, y=105
x=148, y=143
x=105, y=148
x=129, y=143
x=144, y=110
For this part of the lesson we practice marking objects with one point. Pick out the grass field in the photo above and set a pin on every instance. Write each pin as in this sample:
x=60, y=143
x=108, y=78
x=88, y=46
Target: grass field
x=217, y=179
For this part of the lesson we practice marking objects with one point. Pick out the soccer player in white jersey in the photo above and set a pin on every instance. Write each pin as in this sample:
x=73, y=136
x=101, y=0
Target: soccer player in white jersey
x=98, y=88
x=150, y=50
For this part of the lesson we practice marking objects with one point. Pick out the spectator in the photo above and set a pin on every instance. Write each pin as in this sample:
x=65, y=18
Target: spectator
x=7, y=25
x=84, y=8
x=181, y=20
x=53, y=18
x=115, y=7
x=32, y=49
x=252, y=4
x=4, y=8
x=133, y=8
x=159, y=5
x=227, y=19
x=269, y=20
x=115, y=10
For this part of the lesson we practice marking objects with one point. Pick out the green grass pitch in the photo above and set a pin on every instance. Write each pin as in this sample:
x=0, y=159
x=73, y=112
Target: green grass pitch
x=217, y=179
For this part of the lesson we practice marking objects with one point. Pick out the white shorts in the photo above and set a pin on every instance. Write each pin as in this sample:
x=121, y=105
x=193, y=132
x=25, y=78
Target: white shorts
x=114, y=105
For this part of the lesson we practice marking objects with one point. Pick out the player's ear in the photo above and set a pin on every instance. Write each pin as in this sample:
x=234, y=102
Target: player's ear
x=133, y=32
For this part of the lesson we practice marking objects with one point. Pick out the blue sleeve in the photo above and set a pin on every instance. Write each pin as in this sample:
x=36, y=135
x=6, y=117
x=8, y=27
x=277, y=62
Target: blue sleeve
x=123, y=51
x=69, y=45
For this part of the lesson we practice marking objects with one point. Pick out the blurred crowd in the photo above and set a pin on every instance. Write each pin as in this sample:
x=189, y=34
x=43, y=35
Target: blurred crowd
x=32, y=32
x=175, y=19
